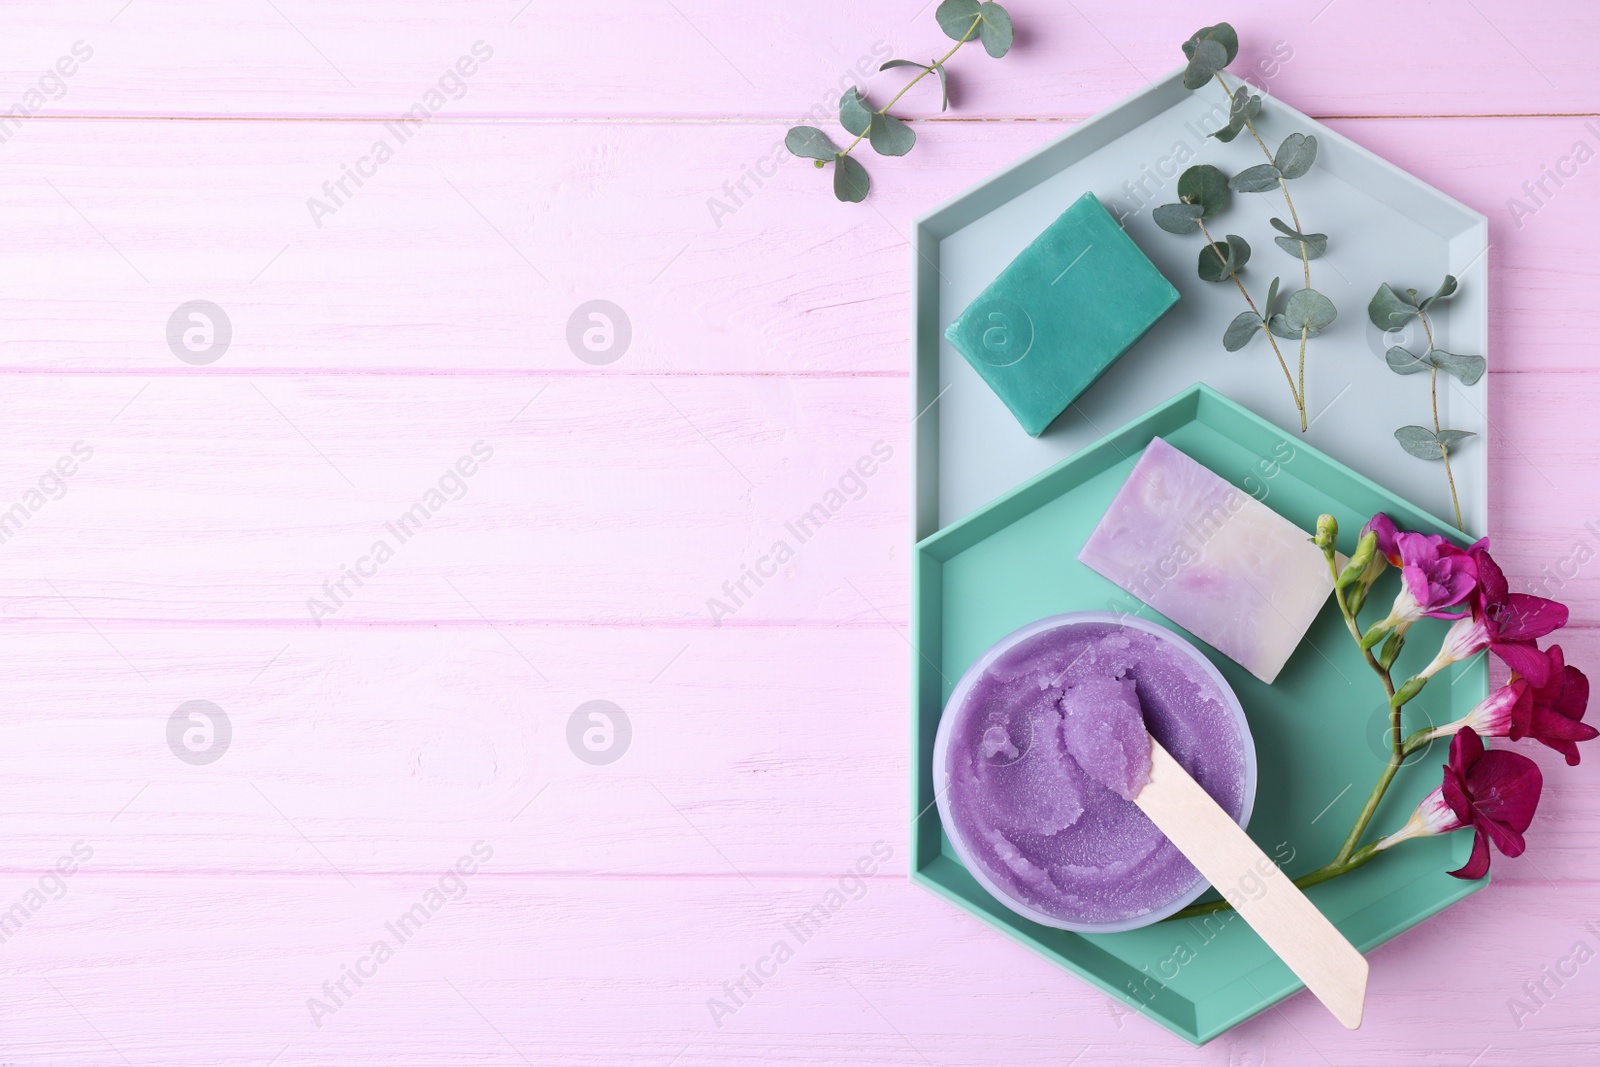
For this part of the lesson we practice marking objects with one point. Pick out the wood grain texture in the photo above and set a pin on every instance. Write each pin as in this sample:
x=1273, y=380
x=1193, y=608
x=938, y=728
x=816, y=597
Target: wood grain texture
x=478, y=239
x=704, y=58
x=769, y=355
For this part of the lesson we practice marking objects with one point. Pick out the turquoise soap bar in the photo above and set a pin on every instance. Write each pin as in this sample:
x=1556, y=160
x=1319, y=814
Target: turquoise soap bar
x=1075, y=299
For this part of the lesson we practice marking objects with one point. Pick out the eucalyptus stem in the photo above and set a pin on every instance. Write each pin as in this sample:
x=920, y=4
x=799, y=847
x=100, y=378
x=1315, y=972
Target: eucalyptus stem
x=1305, y=260
x=1222, y=255
x=1444, y=449
x=1304, y=333
x=922, y=74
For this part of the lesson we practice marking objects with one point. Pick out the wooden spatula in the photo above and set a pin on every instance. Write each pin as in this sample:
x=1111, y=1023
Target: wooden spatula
x=1276, y=909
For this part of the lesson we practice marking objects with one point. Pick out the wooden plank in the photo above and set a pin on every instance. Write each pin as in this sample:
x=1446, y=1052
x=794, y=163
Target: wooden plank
x=705, y=58
x=623, y=971
x=592, y=486
x=473, y=247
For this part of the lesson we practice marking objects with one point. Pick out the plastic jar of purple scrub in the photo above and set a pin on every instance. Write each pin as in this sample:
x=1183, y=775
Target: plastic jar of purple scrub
x=1038, y=830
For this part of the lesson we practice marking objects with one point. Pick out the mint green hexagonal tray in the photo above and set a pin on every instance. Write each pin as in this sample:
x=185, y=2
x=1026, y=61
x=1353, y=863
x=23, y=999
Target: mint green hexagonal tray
x=1318, y=729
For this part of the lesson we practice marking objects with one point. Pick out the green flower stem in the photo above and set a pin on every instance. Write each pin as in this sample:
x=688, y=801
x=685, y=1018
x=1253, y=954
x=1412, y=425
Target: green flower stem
x=1397, y=749
x=1369, y=809
x=1349, y=857
x=923, y=74
x=1305, y=881
x=1223, y=257
x=1305, y=260
x=1444, y=450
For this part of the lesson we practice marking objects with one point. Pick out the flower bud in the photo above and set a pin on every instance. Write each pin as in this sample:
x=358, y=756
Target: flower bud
x=1327, y=533
x=1366, y=559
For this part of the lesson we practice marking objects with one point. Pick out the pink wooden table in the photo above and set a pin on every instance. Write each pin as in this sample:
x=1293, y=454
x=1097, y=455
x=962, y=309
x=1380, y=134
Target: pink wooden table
x=393, y=719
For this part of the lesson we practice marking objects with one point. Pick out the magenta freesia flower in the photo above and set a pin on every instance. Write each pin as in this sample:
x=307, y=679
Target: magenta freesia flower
x=1494, y=791
x=1506, y=623
x=1552, y=714
x=1435, y=577
x=1388, y=534
x=1511, y=622
x=1493, y=716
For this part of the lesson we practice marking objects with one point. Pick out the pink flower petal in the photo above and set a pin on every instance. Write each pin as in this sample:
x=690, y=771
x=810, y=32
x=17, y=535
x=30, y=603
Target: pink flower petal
x=1505, y=788
x=1388, y=533
x=1526, y=659
x=1477, y=864
x=1527, y=617
x=1491, y=579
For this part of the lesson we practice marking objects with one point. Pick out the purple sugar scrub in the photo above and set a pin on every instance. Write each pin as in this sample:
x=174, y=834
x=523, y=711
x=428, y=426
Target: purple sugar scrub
x=1042, y=746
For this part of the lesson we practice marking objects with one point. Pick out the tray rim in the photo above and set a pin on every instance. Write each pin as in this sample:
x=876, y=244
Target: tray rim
x=929, y=864
x=978, y=199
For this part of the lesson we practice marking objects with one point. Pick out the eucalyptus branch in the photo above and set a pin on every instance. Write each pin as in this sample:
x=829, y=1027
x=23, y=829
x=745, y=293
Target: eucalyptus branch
x=1391, y=309
x=1283, y=184
x=1306, y=313
x=960, y=20
x=1227, y=257
x=936, y=65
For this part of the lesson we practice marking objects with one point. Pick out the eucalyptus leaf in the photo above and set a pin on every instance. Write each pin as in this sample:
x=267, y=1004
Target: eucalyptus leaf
x=1388, y=310
x=1272, y=297
x=1178, y=218
x=944, y=86
x=1404, y=361
x=1244, y=107
x=995, y=31
x=1243, y=327
x=854, y=114
x=1309, y=310
x=1295, y=155
x=1238, y=251
x=1426, y=444
x=1446, y=290
x=1223, y=33
x=1213, y=267
x=890, y=137
x=1208, y=57
x=955, y=17
x=1467, y=368
x=1281, y=328
x=808, y=142
x=1204, y=185
x=1315, y=244
x=850, y=180
x=1254, y=179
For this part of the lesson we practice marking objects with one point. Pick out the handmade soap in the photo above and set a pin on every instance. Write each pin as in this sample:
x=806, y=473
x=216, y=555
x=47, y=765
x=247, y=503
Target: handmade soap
x=1211, y=558
x=1048, y=745
x=1076, y=298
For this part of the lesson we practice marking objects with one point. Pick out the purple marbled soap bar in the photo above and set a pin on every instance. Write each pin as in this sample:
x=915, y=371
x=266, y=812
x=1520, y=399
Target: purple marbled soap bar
x=1211, y=558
